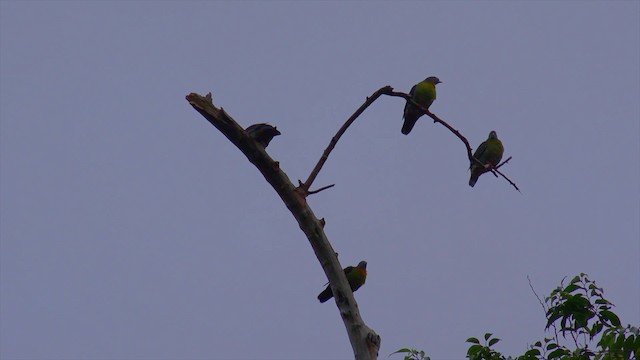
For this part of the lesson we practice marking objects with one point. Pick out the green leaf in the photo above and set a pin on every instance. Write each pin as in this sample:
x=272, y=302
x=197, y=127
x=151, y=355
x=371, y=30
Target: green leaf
x=571, y=288
x=493, y=341
x=403, y=350
x=552, y=346
x=580, y=301
x=620, y=341
x=602, y=301
x=606, y=340
x=557, y=353
x=596, y=329
x=575, y=279
x=474, y=349
x=563, y=323
x=533, y=352
x=603, y=308
x=628, y=344
x=473, y=340
x=552, y=318
x=487, y=336
x=611, y=317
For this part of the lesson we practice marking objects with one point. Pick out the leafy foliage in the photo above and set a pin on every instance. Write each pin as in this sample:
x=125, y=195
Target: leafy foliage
x=577, y=312
x=477, y=351
x=412, y=354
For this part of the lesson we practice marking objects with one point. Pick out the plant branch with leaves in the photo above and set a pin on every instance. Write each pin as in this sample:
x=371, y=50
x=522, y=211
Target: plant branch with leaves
x=579, y=311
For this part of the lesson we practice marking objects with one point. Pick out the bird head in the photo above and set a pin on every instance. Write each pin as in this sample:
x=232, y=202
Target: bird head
x=493, y=135
x=432, y=79
x=362, y=264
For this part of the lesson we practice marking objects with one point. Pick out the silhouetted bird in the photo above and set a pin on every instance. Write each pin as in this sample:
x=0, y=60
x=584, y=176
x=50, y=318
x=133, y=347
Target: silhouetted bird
x=356, y=277
x=262, y=133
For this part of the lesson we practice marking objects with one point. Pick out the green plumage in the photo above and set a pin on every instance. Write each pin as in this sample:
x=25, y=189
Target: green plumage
x=356, y=277
x=424, y=93
x=489, y=153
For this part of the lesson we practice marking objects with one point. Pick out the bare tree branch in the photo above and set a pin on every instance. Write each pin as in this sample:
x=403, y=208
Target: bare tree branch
x=456, y=133
x=438, y=120
x=310, y=192
x=304, y=187
x=364, y=341
x=506, y=178
x=496, y=172
x=388, y=90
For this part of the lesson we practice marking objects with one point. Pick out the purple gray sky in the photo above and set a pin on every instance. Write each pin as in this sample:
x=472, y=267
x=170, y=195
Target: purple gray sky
x=132, y=229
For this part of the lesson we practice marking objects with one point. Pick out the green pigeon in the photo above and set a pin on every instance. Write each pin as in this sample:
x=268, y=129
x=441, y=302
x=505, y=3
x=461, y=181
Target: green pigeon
x=489, y=153
x=423, y=93
x=262, y=133
x=356, y=277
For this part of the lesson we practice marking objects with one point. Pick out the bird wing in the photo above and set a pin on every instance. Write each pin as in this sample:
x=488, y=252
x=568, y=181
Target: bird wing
x=480, y=151
x=494, y=151
x=348, y=269
x=408, y=105
x=413, y=90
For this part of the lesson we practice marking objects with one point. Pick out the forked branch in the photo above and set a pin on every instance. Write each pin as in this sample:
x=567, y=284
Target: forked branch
x=364, y=341
x=304, y=187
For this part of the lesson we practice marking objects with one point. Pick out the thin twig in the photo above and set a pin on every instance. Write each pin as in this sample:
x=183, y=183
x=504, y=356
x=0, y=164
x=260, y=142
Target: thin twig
x=325, y=155
x=575, y=338
x=504, y=162
x=495, y=172
x=544, y=308
x=506, y=178
x=311, y=192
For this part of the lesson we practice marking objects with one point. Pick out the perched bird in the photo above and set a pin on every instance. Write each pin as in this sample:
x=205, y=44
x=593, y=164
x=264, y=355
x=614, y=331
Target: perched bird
x=423, y=93
x=356, y=277
x=489, y=152
x=262, y=133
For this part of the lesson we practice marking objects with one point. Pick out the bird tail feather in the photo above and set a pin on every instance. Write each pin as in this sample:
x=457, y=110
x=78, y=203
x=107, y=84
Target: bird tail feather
x=408, y=126
x=472, y=180
x=325, y=295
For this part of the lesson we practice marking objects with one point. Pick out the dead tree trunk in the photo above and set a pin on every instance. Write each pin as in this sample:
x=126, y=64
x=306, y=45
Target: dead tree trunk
x=364, y=341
